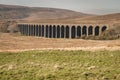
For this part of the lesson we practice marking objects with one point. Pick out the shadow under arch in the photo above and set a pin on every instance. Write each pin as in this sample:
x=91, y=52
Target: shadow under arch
x=50, y=31
x=42, y=33
x=97, y=30
x=40, y=30
x=22, y=29
x=58, y=31
x=25, y=29
x=78, y=31
x=37, y=30
x=32, y=30
x=67, y=31
x=90, y=30
x=104, y=28
x=84, y=30
x=62, y=31
x=54, y=31
x=47, y=31
x=73, y=32
x=29, y=30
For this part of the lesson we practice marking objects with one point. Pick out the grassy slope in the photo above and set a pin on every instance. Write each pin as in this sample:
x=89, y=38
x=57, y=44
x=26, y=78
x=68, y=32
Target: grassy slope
x=60, y=65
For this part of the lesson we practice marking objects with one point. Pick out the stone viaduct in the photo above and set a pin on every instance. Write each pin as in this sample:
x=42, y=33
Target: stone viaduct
x=61, y=30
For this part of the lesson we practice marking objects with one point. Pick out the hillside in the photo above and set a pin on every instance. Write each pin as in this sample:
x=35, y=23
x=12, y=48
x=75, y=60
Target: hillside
x=22, y=12
x=11, y=14
x=114, y=16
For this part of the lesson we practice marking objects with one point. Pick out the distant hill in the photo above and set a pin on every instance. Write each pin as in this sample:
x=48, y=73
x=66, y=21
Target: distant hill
x=22, y=12
x=114, y=16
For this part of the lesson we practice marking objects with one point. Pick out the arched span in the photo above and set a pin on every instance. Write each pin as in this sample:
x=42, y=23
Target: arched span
x=90, y=30
x=104, y=28
x=78, y=31
x=67, y=32
x=58, y=31
x=96, y=30
x=62, y=31
x=84, y=30
x=73, y=32
x=54, y=31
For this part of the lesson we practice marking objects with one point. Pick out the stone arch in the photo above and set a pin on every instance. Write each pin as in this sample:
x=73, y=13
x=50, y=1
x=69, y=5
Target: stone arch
x=84, y=30
x=73, y=32
x=54, y=31
x=50, y=31
x=90, y=30
x=58, y=31
x=67, y=31
x=62, y=31
x=103, y=28
x=96, y=30
x=78, y=31
x=47, y=31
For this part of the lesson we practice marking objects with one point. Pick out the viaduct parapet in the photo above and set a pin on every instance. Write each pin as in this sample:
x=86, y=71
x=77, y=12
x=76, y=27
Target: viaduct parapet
x=48, y=30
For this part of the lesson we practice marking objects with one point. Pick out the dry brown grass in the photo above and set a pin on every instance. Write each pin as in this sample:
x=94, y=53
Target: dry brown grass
x=12, y=42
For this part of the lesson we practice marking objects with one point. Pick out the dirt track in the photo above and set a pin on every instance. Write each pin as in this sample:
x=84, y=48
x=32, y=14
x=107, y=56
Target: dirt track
x=15, y=43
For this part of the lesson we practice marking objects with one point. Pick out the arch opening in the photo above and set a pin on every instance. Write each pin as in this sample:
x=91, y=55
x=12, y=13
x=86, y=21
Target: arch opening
x=47, y=31
x=50, y=31
x=34, y=30
x=26, y=29
x=37, y=30
x=54, y=31
x=84, y=31
x=90, y=30
x=78, y=31
x=96, y=30
x=23, y=30
x=104, y=28
x=73, y=32
x=42, y=30
x=62, y=31
x=58, y=31
x=67, y=32
x=29, y=30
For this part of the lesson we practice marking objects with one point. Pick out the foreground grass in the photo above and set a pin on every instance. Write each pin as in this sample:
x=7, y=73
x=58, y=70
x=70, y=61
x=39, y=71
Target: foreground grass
x=60, y=65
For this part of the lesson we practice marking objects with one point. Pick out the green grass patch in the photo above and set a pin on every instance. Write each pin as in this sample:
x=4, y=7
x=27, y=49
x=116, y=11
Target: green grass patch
x=60, y=65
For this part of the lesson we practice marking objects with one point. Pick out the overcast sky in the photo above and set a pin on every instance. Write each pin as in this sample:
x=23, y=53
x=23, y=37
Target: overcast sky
x=86, y=6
